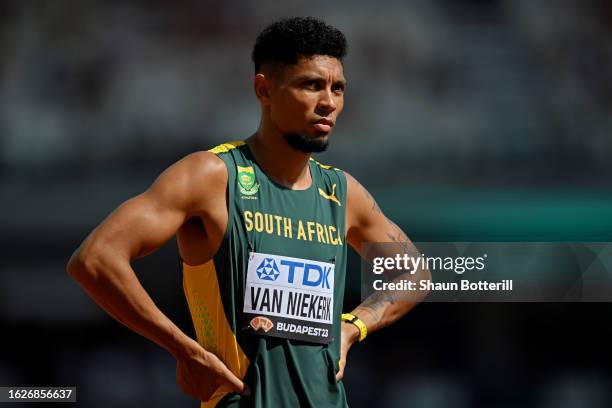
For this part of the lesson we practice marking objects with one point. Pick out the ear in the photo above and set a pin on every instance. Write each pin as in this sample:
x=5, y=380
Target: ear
x=261, y=86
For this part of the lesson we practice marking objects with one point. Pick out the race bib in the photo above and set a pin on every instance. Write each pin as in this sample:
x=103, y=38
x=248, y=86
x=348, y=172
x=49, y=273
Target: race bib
x=289, y=297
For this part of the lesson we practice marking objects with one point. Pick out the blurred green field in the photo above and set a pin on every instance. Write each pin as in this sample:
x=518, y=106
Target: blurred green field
x=512, y=215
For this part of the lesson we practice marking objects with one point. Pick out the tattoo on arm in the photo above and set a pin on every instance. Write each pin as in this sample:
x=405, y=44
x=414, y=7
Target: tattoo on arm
x=376, y=303
x=384, y=306
x=375, y=207
x=398, y=236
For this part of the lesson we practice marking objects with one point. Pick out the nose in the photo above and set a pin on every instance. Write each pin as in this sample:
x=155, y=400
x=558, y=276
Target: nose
x=326, y=104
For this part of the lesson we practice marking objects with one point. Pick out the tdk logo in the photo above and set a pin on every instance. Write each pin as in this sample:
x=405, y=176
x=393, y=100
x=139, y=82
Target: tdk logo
x=267, y=270
x=314, y=275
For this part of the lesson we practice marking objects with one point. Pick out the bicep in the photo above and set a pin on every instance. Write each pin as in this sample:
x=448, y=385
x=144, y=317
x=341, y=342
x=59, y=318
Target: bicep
x=145, y=222
x=137, y=227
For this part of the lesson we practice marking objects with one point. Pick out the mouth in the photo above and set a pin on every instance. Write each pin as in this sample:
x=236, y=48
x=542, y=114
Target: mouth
x=323, y=125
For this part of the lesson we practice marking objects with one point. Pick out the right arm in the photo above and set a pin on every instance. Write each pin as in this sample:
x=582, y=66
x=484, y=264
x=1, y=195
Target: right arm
x=101, y=265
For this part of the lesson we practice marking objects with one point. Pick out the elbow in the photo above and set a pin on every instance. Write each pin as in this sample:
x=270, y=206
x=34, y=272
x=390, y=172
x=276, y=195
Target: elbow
x=76, y=265
x=82, y=264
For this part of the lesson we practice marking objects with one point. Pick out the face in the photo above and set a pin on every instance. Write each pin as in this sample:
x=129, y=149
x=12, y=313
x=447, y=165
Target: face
x=305, y=100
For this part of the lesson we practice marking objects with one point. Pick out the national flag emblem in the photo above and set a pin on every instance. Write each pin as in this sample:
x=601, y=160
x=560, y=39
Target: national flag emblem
x=246, y=180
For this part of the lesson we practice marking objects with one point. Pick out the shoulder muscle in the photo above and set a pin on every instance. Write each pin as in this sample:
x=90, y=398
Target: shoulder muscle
x=189, y=184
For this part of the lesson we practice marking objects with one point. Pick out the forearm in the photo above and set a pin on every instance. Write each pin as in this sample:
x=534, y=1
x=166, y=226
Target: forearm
x=114, y=286
x=381, y=309
x=384, y=307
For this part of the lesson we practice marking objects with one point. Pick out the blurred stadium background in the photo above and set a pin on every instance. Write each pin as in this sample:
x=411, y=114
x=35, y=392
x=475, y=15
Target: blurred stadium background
x=468, y=120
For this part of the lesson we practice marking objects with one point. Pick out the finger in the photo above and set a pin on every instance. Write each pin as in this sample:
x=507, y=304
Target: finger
x=236, y=384
x=243, y=389
x=340, y=374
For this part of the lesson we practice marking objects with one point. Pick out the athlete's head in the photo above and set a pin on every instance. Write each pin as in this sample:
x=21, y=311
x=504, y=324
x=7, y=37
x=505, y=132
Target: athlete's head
x=299, y=79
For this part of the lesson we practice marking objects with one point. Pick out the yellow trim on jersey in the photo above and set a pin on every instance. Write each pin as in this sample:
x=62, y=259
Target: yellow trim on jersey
x=226, y=147
x=325, y=166
x=211, y=325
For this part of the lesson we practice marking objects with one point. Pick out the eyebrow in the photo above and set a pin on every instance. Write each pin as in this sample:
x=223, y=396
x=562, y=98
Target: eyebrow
x=315, y=77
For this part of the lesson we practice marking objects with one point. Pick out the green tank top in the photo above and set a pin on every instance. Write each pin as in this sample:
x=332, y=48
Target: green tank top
x=269, y=302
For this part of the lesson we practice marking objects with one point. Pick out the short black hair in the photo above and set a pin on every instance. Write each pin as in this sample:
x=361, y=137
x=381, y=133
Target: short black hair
x=288, y=40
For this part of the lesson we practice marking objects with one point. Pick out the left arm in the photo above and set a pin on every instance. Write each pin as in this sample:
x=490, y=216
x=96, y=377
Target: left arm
x=365, y=223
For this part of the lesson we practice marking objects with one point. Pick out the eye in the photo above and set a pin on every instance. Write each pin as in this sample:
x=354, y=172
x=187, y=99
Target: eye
x=338, y=88
x=310, y=84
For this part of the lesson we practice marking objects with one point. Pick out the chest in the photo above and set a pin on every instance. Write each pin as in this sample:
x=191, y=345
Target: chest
x=295, y=223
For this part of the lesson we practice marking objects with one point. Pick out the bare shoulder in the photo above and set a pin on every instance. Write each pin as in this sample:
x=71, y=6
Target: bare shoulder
x=350, y=180
x=353, y=187
x=191, y=181
x=198, y=166
x=359, y=199
x=362, y=211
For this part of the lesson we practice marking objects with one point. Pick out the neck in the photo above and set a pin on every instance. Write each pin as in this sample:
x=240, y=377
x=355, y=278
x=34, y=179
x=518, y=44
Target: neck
x=282, y=163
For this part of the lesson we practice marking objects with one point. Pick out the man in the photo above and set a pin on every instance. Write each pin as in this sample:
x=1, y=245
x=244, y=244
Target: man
x=262, y=231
